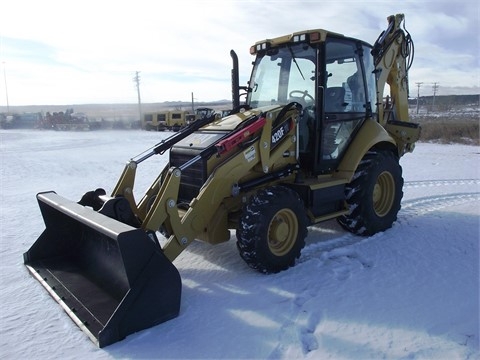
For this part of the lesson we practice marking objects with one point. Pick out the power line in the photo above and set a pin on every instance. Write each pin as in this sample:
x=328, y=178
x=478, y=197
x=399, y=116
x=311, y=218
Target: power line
x=435, y=88
x=6, y=90
x=136, y=79
x=418, y=92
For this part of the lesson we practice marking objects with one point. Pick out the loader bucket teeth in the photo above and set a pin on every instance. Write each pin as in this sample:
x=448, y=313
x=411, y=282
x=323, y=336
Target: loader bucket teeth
x=109, y=277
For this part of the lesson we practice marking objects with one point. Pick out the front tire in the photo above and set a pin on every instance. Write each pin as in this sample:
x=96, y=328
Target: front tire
x=272, y=229
x=374, y=194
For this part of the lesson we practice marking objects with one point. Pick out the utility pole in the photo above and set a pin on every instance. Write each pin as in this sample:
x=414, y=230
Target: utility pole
x=6, y=90
x=418, y=92
x=137, y=82
x=435, y=88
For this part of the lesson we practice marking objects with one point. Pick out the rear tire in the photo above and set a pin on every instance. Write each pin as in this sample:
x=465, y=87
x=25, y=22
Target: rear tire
x=272, y=229
x=374, y=194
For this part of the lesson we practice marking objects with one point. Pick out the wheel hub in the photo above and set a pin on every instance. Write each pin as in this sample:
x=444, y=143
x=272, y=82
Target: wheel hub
x=282, y=232
x=383, y=194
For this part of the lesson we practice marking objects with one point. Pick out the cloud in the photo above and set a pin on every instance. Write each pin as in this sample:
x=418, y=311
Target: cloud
x=71, y=52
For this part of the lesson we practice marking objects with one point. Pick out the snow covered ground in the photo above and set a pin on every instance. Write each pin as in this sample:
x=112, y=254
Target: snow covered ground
x=411, y=292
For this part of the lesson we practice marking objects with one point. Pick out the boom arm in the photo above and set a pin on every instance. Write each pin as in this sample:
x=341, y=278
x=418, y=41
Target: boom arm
x=391, y=52
x=393, y=56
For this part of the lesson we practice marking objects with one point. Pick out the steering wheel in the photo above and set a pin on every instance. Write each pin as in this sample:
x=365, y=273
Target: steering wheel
x=304, y=95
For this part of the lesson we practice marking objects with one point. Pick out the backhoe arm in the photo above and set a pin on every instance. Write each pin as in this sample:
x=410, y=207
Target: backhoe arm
x=391, y=52
x=393, y=56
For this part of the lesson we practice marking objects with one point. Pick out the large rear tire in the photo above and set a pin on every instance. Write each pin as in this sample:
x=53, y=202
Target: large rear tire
x=374, y=194
x=272, y=229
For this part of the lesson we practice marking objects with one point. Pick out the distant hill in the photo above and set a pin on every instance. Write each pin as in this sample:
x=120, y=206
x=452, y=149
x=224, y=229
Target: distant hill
x=129, y=112
x=443, y=101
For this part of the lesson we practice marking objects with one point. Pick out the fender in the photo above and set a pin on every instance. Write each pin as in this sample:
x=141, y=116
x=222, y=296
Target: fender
x=370, y=134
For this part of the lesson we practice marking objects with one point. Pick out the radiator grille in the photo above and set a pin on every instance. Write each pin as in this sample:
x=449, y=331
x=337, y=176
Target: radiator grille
x=192, y=178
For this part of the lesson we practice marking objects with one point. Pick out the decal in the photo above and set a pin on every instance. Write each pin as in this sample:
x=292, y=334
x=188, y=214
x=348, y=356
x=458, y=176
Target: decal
x=280, y=132
x=250, y=154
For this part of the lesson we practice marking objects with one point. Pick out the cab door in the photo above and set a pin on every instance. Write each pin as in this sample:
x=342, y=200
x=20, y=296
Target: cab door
x=345, y=91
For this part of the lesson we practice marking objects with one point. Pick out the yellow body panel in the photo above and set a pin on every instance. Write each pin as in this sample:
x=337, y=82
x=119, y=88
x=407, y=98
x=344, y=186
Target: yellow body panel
x=371, y=134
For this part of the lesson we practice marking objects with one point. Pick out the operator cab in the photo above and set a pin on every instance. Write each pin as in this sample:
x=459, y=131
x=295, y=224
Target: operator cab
x=331, y=77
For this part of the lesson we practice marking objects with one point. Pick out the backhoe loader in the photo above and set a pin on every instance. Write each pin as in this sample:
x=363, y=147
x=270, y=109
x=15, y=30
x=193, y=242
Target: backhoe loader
x=313, y=140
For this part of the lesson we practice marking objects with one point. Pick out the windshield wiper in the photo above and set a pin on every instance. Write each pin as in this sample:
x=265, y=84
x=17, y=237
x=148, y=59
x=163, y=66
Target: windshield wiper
x=295, y=61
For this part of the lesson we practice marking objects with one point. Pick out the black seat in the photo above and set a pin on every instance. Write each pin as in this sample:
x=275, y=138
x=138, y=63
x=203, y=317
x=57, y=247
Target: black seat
x=335, y=99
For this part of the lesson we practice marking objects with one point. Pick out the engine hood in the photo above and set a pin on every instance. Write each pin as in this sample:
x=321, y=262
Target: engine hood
x=230, y=122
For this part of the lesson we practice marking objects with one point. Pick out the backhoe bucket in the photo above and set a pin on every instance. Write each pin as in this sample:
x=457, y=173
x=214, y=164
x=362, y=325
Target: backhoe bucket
x=110, y=278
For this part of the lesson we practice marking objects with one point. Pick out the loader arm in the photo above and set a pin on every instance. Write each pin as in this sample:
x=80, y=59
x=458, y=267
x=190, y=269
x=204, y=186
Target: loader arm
x=206, y=214
x=126, y=181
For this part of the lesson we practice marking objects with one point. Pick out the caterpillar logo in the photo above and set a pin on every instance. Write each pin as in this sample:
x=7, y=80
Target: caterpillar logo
x=280, y=132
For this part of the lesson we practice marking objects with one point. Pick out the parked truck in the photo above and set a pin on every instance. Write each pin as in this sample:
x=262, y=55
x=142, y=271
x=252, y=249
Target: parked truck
x=172, y=120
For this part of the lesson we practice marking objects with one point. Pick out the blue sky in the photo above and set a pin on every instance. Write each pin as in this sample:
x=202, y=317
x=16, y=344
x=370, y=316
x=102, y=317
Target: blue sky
x=62, y=52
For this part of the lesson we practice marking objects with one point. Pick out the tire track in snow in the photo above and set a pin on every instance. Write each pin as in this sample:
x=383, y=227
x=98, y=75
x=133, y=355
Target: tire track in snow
x=313, y=251
x=423, y=205
x=324, y=250
x=433, y=183
x=57, y=145
x=412, y=207
x=297, y=335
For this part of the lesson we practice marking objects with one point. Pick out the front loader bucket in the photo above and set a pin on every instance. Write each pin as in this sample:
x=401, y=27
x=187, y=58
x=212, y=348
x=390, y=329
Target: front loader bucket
x=110, y=278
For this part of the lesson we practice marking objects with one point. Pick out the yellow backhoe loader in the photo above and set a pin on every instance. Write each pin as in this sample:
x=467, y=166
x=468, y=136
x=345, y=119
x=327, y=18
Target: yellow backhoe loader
x=312, y=141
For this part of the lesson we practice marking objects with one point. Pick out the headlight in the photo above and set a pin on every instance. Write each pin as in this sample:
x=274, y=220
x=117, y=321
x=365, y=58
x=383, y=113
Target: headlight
x=259, y=47
x=299, y=38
